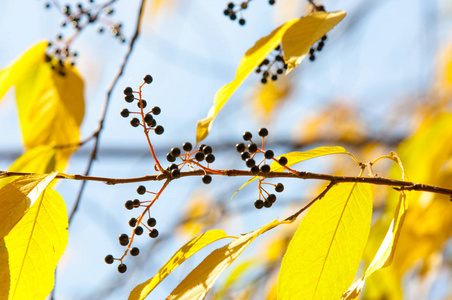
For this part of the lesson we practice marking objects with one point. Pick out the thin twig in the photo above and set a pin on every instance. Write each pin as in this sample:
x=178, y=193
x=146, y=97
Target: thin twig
x=104, y=113
x=397, y=184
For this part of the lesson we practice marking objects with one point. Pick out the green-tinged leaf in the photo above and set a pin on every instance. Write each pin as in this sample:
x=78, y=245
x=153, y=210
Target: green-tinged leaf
x=16, y=197
x=302, y=35
x=40, y=160
x=198, y=283
x=50, y=105
x=385, y=253
x=324, y=254
x=142, y=290
x=13, y=74
x=34, y=247
x=297, y=157
x=253, y=57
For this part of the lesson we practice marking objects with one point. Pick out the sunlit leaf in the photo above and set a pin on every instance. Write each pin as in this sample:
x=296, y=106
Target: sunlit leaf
x=34, y=247
x=13, y=74
x=16, y=197
x=302, y=35
x=324, y=254
x=142, y=290
x=297, y=157
x=50, y=105
x=198, y=283
x=253, y=57
x=385, y=253
x=40, y=160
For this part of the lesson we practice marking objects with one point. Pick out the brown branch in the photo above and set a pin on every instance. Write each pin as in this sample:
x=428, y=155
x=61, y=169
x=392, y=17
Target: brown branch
x=104, y=113
x=397, y=184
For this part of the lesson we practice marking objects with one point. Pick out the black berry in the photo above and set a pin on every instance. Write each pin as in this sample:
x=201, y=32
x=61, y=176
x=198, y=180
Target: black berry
x=207, y=150
x=250, y=162
x=154, y=233
x=271, y=198
x=199, y=156
x=122, y=268
x=175, y=173
x=255, y=170
x=210, y=158
x=129, y=204
x=125, y=113
x=247, y=136
x=152, y=222
x=259, y=204
x=269, y=154
x=123, y=239
x=159, y=129
x=109, y=259
x=244, y=155
x=148, y=118
x=136, y=203
x=133, y=222
x=148, y=79
x=141, y=189
x=135, y=122
x=175, y=152
x=240, y=147
x=129, y=98
x=207, y=179
x=142, y=104
x=282, y=161
x=279, y=187
x=187, y=146
x=267, y=204
x=138, y=230
x=170, y=157
x=134, y=251
x=265, y=169
x=128, y=91
x=242, y=22
x=156, y=110
x=263, y=132
x=252, y=148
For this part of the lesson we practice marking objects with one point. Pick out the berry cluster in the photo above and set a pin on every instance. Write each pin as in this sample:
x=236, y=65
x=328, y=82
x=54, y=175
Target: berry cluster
x=148, y=121
x=80, y=15
x=248, y=153
x=318, y=48
x=190, y=158
x=233, y=10
x=272, y=66
x=137, y=224
x=59, y=56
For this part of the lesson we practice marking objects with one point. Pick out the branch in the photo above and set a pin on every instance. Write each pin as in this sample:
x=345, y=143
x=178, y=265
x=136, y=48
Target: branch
x=397, y=184
x=96, y=135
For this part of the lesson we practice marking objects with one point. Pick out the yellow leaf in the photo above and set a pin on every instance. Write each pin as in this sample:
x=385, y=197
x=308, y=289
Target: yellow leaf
x=198, y=283
x=324, y=254
x=235, y=276
x=385, y=253
x=40, y=160
x=253, y=57
x=142, y=290
x=34, y=247
x=298, y=39
x=268, y=97
x=50, y=106
x=297, y=157
x=16, y=197
x=13, y=74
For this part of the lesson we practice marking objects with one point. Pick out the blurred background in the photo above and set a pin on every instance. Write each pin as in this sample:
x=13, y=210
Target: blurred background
x=383, y=82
